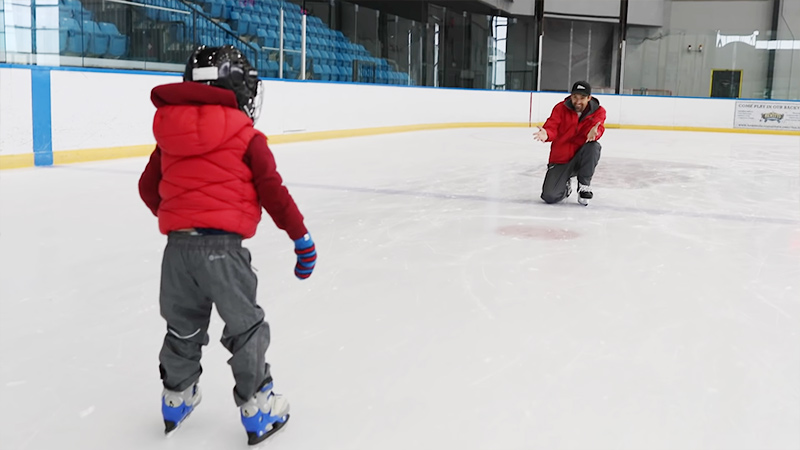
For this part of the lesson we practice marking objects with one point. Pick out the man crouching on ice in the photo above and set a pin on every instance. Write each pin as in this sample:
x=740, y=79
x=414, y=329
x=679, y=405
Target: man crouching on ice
x=573, y=127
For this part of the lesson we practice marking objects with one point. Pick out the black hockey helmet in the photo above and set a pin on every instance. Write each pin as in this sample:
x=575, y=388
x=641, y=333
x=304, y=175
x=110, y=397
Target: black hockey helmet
x=226, y=67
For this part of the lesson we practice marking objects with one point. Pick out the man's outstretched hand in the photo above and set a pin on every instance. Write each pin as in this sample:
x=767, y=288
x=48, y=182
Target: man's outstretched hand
x=540, y=135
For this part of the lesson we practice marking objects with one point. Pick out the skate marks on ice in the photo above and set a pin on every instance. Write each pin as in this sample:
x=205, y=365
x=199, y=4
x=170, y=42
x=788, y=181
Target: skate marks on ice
x=604, y=203
x=537, y=232
x=629, y=173
x=415, y=193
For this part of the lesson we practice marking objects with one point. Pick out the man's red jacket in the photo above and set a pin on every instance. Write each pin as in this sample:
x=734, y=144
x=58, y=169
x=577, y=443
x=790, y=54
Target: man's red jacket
x=567, y=130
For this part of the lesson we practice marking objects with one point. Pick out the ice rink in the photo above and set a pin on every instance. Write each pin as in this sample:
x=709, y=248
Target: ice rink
x=450, y=307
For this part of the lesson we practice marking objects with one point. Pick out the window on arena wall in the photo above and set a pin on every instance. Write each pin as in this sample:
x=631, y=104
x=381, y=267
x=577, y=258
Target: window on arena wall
x=573, y=49
x=479, y=32
x=2, y=36
x=676, y=62
x=17, y=27
x=402, y=45
x=414, y=43
x=499, y=52
x=520, y=54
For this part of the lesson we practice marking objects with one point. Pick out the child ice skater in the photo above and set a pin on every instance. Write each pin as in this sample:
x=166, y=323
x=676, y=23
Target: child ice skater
x=206, y=181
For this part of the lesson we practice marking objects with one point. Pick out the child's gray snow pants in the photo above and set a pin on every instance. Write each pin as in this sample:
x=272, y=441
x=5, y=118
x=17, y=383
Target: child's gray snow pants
x=198, y=271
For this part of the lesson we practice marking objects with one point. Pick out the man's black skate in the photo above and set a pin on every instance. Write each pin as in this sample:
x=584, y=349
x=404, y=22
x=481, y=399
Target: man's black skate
x=584, y=194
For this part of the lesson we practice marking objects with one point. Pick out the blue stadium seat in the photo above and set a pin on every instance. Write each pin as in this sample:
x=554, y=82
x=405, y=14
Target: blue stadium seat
x=226, y=27
x=78, y=12
x=239, y=24
x=272, y=69
x=99, y=41
x=65, y=12
x=344, y=74
x=252, y=25
x=229, y=8
x=288, y=72
x=118, y=44
x=215, y=9
x=324, y=71
x=235, y=6
x=77, y=40
x=261, y=37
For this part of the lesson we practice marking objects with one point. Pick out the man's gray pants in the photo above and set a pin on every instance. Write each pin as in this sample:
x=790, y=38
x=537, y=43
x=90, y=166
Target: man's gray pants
x=196, y=272
x=582, y=165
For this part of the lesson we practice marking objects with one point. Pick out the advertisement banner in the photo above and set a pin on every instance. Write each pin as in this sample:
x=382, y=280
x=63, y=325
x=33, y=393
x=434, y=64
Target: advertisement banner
x=767, y=115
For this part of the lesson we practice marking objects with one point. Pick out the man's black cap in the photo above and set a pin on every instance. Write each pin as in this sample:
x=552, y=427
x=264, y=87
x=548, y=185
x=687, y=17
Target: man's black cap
x=581, y=87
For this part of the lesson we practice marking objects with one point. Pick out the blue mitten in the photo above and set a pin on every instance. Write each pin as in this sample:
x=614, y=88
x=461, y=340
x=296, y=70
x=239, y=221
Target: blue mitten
x=306, y=256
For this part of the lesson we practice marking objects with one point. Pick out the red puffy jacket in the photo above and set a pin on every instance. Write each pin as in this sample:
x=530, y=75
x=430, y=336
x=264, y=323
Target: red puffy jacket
x=567, y=131
x=211, y=168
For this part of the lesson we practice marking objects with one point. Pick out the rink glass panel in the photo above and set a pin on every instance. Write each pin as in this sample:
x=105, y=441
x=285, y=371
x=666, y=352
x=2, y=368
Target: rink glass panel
x=412, y=43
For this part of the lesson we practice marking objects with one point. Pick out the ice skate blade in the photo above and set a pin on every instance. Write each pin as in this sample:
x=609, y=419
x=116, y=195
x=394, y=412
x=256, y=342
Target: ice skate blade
x=254, y=439
x=171, y=427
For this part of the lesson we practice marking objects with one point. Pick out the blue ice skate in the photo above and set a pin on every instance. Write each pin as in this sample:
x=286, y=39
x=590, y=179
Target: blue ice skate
x=264, y=414
x=176, y=406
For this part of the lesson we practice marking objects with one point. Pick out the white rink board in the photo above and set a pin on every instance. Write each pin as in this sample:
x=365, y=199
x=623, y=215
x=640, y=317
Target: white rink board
x=102, y=109
x=118, y=112
x=16, y=126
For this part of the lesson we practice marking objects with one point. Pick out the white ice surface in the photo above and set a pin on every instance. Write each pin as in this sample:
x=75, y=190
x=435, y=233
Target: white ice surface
x=450, y=307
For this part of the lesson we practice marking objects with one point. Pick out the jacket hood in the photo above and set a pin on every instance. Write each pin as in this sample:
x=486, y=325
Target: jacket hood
x=194, y=118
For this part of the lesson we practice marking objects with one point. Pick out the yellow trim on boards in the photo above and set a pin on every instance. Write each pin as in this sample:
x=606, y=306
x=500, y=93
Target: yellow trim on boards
x=704, y=129
x=317, y=135
x=16, y=161
x=99, y=154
